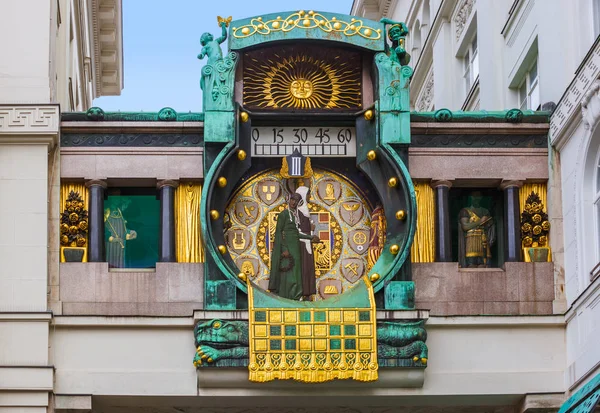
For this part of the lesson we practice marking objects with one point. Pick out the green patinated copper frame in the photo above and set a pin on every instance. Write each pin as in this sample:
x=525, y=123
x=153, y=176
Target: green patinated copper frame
x=387, y=133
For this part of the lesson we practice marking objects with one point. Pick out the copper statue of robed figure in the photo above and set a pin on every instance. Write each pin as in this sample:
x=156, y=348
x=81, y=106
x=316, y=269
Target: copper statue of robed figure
x=117, y=235
x=292, y=266
x=477, y=234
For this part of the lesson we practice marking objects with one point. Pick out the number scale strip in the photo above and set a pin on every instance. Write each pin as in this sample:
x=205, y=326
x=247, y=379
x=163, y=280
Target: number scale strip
x=277, y=141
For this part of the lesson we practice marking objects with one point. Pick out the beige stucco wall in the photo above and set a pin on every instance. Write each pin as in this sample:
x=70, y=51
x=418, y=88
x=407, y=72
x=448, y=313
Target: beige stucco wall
x=27, y=134
x=24, y=67
x=469, y=356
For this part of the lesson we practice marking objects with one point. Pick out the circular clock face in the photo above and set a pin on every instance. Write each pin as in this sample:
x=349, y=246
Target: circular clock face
x=352, y=234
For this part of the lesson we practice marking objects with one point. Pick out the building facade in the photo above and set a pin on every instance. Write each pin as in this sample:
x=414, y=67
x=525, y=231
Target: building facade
x=139, y=248
x=490, y=55
x=493, y=55
x=56, y=56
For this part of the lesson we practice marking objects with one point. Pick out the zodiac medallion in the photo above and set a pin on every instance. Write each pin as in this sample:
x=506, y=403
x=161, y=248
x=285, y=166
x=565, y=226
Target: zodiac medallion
x=238, y=239
x=268, y=191
x=351, y=212
x=358, y=240
x=329, y=190
x=248, y=265
x=352, y=268
x=330, y=287
x=246, y=211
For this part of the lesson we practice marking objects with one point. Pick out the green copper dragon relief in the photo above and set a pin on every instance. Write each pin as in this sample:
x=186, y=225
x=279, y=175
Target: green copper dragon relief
x=221, y=343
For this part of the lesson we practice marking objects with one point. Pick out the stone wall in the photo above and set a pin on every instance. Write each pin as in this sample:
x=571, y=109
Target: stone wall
x=174, y=289
x=519, y=288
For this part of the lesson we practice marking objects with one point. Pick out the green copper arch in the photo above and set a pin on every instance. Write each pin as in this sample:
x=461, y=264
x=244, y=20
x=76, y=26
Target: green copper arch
x=307, y=25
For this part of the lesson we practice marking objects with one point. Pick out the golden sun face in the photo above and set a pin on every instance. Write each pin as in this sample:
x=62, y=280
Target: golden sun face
x=301, y=88
x=302, y=79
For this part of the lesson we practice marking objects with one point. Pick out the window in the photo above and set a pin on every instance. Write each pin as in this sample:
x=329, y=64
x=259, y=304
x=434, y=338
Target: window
x=131, y=228
x=471, y=62
x=529, y=91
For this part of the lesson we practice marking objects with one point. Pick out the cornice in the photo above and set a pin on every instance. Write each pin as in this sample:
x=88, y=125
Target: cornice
x=107, y=39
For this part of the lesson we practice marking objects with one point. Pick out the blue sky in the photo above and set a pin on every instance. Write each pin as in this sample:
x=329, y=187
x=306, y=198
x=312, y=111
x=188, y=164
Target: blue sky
x=162, y=39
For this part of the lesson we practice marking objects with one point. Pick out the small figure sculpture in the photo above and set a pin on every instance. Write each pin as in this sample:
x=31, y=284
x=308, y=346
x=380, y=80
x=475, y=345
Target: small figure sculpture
x=306, y=226
x=285, y=278
x=211, y=47
x=116, y=233
x=476, y=234
x=397, y=34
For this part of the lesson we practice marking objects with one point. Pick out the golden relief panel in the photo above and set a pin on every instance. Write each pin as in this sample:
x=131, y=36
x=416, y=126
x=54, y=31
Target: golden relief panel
x=340, y=212
x=306, y=20
x=302, y=78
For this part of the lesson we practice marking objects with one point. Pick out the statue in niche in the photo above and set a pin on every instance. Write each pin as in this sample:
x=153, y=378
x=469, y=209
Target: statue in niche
x=477, y=234
x=287, y=270
x=397, y=34
x=116, y=233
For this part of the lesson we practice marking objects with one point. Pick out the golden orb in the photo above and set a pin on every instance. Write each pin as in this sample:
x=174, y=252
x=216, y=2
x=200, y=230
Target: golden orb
x=371, y=155
x=260, y=26
x=374, y=277
x=401, y=215
x=222, y=249
x=222, y=181
x=367, y=32
x=337, y=26
x=214, y=214
x=424, y=360
x=259, y=19
x=369, y=114
x=242, y=277
x=276, y=25
x=306, y=22
x=415, y=359
x=311, y=12
x=352, y=27
x=244, y=116
x=241, y=154
x=392, y=182
x=301, y=12
x=245, y=30
x=394, y=249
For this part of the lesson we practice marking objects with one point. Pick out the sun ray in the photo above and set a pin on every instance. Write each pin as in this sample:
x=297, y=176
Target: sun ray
x=302, y=78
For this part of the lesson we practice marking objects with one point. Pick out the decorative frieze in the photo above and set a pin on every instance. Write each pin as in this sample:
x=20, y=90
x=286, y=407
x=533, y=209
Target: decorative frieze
x=29, y=120
x=131, y=140
x=462, y=16
x=426, y=97
x=570, y=102
x=480, y=141
x=590, y=106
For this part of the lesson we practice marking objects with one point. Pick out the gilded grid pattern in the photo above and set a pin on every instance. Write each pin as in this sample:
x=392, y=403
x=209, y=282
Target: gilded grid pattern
x=312, y=344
